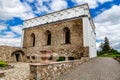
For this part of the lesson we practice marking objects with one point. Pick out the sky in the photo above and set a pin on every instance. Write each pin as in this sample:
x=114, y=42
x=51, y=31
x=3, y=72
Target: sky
x=105, y=14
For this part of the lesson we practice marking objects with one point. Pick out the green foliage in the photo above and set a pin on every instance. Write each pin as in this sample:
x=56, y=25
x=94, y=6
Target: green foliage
x=106, y=50
x=3, y=64
x=106, y=46
x=113, y=55
x=61, y=58
x=101, y=46
x=114, y=51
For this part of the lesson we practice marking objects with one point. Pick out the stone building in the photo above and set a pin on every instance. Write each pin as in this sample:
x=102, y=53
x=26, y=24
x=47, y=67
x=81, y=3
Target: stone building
x=69, y=33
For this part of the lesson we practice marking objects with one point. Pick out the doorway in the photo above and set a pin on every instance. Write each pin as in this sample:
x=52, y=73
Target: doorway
x=17, y=56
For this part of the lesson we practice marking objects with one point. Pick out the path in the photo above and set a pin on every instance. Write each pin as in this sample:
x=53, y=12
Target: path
x=20, y=72
x=95, y=69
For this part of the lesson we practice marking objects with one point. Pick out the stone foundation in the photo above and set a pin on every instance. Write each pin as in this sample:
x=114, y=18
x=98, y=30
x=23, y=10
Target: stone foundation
x=75, y=52
x=52, y=70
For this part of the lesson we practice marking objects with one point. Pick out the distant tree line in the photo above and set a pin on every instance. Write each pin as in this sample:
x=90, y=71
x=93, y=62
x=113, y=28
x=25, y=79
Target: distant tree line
x=106, y=48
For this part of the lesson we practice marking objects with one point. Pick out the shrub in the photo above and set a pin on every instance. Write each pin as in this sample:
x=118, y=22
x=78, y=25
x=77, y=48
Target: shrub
x=118, y=56
x=3, y=64
x=61, y=58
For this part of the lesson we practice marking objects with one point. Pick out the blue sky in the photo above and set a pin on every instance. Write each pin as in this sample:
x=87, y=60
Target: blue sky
x=105, y=13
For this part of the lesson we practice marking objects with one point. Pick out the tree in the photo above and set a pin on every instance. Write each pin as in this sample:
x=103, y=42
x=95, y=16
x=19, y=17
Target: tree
x=101, y=46
x=105, y=48
x=114, y=51
x=106, y=45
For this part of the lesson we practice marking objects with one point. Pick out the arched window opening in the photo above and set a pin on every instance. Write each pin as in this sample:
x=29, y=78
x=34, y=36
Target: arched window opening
x=33, y=39
x=67, y=35
x=48, y=37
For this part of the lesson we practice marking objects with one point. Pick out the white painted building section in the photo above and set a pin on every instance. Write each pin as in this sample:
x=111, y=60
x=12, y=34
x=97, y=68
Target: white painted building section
x=59, y=15
x=89, y=37
x=22, y=38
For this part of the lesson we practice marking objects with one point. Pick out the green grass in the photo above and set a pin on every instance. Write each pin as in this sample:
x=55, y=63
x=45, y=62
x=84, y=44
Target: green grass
x=112, y=55
x=3, y=64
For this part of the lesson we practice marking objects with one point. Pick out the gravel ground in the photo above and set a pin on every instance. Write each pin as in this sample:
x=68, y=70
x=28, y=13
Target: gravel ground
x=95, y=69
x=19, y=72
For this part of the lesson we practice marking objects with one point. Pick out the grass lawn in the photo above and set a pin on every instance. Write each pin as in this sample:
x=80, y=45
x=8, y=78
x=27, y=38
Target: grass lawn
x=113, y=55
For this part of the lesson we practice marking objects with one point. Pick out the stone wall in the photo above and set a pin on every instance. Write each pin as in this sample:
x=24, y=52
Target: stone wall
x=53, y=70
x=7, y=53
x=57, y=34
x=57, y=39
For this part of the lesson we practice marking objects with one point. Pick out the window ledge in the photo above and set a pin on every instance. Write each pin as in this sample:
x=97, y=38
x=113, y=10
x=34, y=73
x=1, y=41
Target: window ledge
x=46, y=45
x=66, y=44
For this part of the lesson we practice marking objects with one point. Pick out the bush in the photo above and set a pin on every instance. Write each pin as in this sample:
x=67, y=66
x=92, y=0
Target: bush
x=118, y=56
x=61, y=58
x=3, y=64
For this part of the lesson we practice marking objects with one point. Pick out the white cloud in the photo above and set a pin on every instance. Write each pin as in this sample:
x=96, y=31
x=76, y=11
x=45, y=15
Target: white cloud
x=10, y=41
x=97, y=45
x=46, y=0
x=41, y=8
x=92, y=4
x=14, y=8
x=30, y=1
x=40, y=2
x=2, y=27
x=108, y=24
x=112, y=15
x=103, y=1
x=8, y=34
x=17, y=29
x=58, y=5
x=52, y=5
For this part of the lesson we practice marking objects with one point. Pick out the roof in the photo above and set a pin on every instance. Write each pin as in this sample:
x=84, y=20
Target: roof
x=59, y=15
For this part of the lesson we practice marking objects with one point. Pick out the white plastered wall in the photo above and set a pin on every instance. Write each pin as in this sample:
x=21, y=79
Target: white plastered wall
x=89, y=37
x=22, y=38
x=58, y=15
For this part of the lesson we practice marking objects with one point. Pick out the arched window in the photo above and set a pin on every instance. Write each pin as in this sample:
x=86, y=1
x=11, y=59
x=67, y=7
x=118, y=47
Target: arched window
x=48, y=36
x=66, y=35
x=32, y=39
